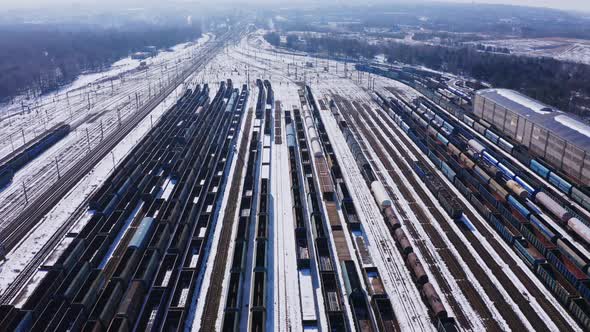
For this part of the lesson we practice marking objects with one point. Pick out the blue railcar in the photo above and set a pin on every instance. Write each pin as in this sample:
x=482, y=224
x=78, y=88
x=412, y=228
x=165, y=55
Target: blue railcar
x=110, y=207
x=455, y=165
x=561, y=268
x=505, y=145
x=525, y=185
x=507, y=171
x=560, y=183
x=421, y=173
x=521, y=249
x=491, y=136
x=487, y=196
x=447, y=171
x=539, y=168
x=549, y=234
x=442, y=139
x=506, y=235
x=142, y=233
x=6, y=176
x=532, y=238
x=519, y=207
x=123, y=189
x=482, y=176
x=434, y=159
x=448, y=128
x=405, y=127
x=584, y=291
x=491, y=159
x=422, y=146
x=508, y=216
x=464, y=133
x=412, y=136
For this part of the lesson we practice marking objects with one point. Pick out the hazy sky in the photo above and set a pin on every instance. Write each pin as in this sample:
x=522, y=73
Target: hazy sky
x=580, y=5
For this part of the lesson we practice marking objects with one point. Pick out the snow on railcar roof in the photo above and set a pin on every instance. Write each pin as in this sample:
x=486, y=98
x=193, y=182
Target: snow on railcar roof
x=567, y=126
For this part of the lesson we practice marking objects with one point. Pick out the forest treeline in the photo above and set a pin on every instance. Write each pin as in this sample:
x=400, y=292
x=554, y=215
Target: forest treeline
x=43, y=57
x=565, y=85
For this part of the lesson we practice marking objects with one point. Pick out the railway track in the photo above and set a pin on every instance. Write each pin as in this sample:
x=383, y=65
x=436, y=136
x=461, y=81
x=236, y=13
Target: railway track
x=77, y=103
x=213, y=297
x=505, y=309
x=439, y=244
x=385, y=250
x=33, y=213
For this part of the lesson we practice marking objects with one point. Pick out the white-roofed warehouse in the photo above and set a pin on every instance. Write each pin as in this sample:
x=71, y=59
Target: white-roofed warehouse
x=561, y=139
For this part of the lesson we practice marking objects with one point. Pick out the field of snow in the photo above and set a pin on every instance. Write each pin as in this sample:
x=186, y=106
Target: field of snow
x=575, y=50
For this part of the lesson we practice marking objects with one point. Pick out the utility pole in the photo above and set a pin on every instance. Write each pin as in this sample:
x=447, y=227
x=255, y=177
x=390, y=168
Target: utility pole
x=22, y=130
x=88, y=139
x=57, y=167
x=113, y=155
x=25, y=190
x=101, y=131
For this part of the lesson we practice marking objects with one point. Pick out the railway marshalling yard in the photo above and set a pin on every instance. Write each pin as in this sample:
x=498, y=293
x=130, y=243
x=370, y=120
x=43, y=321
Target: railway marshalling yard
x=275, y=191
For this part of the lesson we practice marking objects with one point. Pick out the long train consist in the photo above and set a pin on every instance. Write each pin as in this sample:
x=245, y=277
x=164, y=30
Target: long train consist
x=577, y=193
x=18, y=159
x=319, y=225
x=491, y=188
x=136, y=263
x=461, y=109
x=431, y=297
x=370, y=288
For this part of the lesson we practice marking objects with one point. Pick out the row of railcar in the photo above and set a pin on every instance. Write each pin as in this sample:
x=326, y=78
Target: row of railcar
x=259, y=277
x=573, y=222
x=190, y=211
x=359, y=291
x=325, y=255
x=84, y=257
x=561, y=182
x=261, y=101
x=569, y=188
x=303, y=241
x=501, y=171
x=533, y=240
x=431, y=297
x=233, y=305
x=518, y=183
x=23, y=155
x=158, y=257
x=448, y=201
x=578, y=194
x=180, y=247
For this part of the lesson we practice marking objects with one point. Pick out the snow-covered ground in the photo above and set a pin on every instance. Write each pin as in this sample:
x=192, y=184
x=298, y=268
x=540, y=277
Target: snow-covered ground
x=575, y=50
x=109, y=106
x=42, y=171
x=254, y=57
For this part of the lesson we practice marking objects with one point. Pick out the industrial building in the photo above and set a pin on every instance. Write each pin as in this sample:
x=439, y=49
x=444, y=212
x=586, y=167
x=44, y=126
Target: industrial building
x=562, y=140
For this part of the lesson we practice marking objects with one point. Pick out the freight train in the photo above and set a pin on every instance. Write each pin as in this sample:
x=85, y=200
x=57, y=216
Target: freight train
x=577, y=193
x=575, y=224
x=143, y=277
x=17, y=160
x=537, y=166
x=439, y=312
x=501, y=169
x=516, y=223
